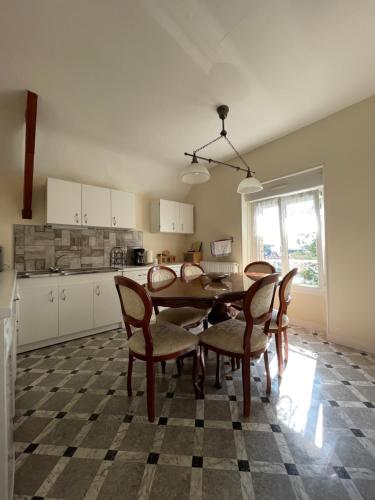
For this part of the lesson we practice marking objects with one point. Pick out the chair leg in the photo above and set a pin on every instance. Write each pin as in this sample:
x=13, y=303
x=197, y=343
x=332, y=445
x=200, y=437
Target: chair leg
x=233, y=364
x=163, y=365
x=129, y=378
x=246, y=387
x=279, y=352
x=196, y=378
x=205, y=324
x=238, y=363
x=268, y=374
x=150, y=374
x=203, y=371
x=286, y=345
x=179, y=367
x=218, y=367
x=206, y=352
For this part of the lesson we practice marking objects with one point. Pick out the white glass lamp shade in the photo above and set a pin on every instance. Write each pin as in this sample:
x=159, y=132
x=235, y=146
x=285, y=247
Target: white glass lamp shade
x=249, y=185
x=195, y=173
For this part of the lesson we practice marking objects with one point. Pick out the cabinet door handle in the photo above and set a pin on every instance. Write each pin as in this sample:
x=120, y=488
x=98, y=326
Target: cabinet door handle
x=173, y=226
x=114, y=221
x=63, y=296
x=76, y=219
x=97, y=290
x=182, y=227
x=85, y=218
x=51, y=296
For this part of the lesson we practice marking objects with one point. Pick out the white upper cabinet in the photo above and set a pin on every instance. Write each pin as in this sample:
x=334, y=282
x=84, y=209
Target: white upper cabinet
x=63, y=202
x=71, y=203
x=96, y=206
x=122, y=209
x=186, y=219
x=172, y=217
x=169, y=215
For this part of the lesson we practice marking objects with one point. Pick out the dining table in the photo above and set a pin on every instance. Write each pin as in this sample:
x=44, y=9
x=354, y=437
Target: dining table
x=203, y=292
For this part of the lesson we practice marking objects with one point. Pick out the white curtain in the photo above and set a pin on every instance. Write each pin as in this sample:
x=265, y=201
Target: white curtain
x=258, y=223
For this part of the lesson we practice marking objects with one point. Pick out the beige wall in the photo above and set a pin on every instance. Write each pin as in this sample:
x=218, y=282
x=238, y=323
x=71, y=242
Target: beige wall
x=11, y=196
x=344, y=143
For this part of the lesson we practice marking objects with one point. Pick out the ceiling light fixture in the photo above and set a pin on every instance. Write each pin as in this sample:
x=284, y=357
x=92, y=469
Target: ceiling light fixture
x=195, y=173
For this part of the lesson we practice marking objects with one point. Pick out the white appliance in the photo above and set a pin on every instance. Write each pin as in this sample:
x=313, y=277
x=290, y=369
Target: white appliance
x=220, y=267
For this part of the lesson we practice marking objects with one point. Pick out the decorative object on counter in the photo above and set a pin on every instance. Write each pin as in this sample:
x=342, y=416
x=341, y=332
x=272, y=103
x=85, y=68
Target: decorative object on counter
x=165, y=257
x=194, y=255
x=36, y=248
x=221, y=248
x=149, y=257
x=197, y=174
x=118, y=257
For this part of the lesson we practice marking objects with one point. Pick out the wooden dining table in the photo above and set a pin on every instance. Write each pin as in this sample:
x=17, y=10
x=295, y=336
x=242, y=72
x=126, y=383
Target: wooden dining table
x=203, y=292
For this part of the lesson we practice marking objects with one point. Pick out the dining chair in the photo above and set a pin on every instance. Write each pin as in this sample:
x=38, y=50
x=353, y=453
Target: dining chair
x=259, y=266
x=190, y=270
x=279, y=319
x=186, y=317
x=245, y=341
x=153, y=342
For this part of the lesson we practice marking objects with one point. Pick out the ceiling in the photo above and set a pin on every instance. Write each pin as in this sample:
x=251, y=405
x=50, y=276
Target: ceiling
x=127, y=86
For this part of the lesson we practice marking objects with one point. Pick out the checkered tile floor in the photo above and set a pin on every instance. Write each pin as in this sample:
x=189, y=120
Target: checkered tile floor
x=78, y=435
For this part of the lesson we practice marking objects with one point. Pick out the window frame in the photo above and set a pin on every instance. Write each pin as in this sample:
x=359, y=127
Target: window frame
x=248, y=251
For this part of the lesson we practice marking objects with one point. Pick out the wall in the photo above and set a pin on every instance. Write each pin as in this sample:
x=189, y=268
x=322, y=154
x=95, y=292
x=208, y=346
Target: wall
x=11, y=196
x=344, y=143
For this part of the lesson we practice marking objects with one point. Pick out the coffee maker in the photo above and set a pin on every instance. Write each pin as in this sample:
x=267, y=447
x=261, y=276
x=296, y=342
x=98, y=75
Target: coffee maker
x=139, y=256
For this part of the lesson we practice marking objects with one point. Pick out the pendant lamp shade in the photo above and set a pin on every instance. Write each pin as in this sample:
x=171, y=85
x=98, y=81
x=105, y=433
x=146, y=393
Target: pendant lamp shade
x=195, y=173
x=249, y=185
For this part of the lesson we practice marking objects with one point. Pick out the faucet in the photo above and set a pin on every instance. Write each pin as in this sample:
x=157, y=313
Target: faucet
x=55, y=268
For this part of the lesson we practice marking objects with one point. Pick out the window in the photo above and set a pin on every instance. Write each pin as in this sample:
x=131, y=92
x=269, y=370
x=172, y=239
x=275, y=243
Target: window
x=286, y=231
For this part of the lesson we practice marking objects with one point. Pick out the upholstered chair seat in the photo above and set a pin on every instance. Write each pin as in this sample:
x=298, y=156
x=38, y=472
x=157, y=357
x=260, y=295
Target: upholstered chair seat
x=182, y=316
x=167, y=339
x=229, y=336
x=284, y=322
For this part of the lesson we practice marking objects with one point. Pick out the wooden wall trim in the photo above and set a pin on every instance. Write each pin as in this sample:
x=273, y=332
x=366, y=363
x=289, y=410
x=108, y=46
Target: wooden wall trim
x=31, y=112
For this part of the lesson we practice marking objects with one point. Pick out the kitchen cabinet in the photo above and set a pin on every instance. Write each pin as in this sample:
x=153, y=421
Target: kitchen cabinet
x=38, y=317
x=172, y=217
x=122, y=209
x=107, y=309
x=72, y=203
x=51, y=308
x=96, y=206
x=63, y=202
x=186, y=218
x=75, y=308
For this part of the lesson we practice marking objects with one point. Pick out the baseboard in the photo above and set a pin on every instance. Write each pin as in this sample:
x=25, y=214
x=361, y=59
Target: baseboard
x=65, y=338
x=309, y=325
x=351, y=344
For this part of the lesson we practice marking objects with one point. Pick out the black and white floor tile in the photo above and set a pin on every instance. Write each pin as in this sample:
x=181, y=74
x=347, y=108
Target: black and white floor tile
x=78, y=435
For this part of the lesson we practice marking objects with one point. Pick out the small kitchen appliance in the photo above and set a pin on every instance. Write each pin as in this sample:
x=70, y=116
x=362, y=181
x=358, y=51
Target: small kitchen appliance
x=139, y=256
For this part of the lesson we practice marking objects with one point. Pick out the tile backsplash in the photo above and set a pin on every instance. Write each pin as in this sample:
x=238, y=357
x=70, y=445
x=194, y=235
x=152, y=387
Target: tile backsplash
x=38, y=247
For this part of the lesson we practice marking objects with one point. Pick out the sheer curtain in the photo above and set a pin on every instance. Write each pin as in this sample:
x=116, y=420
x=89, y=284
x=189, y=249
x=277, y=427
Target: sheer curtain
x=265, y=231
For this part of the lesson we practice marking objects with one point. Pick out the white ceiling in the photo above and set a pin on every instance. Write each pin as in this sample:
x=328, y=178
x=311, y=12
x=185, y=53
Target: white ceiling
x=127, y=86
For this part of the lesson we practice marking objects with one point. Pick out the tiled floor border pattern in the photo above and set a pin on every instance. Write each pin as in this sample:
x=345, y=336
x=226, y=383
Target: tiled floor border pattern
x=48, y=361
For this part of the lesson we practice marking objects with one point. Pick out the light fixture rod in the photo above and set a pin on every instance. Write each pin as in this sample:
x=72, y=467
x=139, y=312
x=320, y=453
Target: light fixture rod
x=210, y=160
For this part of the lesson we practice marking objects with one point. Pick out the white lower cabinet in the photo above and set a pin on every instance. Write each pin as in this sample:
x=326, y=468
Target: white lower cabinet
x=75, y=308
x=50, y=308
x=107, y=309
x=38, y=318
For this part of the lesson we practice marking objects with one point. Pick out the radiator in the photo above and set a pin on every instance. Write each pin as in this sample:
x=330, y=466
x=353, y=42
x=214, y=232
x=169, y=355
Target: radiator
x=220, y=267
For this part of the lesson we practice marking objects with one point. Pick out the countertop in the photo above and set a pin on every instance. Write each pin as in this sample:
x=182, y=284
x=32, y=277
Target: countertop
x=7, y=291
